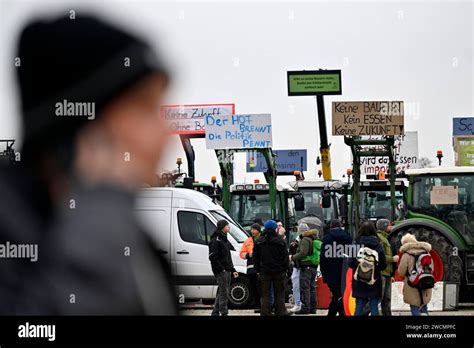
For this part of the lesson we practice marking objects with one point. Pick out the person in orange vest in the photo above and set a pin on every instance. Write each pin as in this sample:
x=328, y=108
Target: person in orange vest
x=246, y=253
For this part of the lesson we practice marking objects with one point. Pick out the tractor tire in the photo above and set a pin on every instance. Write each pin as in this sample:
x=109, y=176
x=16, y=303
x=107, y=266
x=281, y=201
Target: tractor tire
x=241, y=294
x=452, y=263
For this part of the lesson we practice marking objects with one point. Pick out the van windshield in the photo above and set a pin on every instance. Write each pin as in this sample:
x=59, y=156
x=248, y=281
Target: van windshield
x=236, y=232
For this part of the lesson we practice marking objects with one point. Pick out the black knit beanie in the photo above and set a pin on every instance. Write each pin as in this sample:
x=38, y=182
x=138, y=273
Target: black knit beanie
x=81, y=60
x=221, y=224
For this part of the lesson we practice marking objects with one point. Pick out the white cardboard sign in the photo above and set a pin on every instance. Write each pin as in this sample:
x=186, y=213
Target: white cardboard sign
x=247, y=131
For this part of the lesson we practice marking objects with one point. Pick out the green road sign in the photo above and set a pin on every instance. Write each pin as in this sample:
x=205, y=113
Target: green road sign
x=319, y=82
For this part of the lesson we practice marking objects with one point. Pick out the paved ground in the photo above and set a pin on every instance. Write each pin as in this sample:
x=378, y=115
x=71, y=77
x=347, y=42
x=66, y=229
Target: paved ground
x=203, y=310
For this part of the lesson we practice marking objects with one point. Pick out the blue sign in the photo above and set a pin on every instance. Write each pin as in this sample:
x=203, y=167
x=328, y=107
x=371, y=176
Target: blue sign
x=463, y=126
x=286, y=161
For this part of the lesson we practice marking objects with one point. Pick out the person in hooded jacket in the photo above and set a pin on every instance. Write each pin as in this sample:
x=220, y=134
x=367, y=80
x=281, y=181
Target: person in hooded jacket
x=271, y=263
x=307, y=272
x=222, y=266
x=331, y=265
x=246, y=253
x=417, y=299
x=363, y=292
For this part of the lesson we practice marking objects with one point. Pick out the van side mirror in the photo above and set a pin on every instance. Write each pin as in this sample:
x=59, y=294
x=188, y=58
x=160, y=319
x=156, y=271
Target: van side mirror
x=299, y=202
x=326, y=200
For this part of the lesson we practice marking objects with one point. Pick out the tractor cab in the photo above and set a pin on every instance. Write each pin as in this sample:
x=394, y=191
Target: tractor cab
x=446, y=194
x=325, y=200
x=250, y=203
x=375, y=197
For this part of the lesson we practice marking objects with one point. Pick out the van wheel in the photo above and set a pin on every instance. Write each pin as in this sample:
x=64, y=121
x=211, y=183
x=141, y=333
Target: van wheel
x=241, y=293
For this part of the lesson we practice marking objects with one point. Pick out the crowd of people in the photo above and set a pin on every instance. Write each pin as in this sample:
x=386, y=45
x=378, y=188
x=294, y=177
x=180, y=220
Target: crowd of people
x=370, y=256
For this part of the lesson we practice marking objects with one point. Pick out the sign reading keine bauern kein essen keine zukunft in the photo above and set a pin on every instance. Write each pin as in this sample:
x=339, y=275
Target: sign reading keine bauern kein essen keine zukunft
x=367, y=118
x=247, y=131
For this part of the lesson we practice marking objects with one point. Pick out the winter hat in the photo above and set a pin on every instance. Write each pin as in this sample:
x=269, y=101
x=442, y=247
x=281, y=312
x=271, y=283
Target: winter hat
x=270, y=225
x=408, y=238
x=382, y=224
x=82, y=63
x=303, y=227
x=221, y=224
x=335, y=223
x=256, y=227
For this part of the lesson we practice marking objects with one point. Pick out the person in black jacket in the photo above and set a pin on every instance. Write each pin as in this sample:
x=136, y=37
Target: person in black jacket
x=331, y=264
x=271, y=263
x=363, y=292
x=222, y=266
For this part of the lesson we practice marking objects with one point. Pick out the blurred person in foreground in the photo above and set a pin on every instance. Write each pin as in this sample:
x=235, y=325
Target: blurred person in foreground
x=90, y=96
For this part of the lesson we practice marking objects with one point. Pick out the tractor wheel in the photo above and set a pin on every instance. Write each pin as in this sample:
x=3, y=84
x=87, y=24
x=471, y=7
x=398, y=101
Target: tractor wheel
x=451, y=263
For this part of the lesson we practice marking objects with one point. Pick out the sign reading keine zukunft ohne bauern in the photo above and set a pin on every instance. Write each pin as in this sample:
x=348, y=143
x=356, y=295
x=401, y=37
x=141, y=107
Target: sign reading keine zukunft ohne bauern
x=247, y=131
x=367, y=118
x=189, y=119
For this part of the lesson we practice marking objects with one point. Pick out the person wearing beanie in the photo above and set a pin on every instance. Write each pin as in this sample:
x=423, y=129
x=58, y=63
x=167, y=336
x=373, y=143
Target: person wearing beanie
x=331, y=264
x=307, y=271
x=89, y=93
x=295, y=275
x=383, y=230
x=416, y=298
x=271, y=263
x=246, y=253
x=222, y=266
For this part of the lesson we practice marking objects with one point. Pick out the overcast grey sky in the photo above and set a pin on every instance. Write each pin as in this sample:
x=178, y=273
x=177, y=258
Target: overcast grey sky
x=239, y=52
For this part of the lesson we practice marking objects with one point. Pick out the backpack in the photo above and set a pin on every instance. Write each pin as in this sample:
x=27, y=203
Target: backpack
x=367, y=260
x=313, y=258
x=422, y=274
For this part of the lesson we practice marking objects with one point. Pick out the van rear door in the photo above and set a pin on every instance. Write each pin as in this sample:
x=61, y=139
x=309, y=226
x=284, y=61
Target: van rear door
x=154, y=214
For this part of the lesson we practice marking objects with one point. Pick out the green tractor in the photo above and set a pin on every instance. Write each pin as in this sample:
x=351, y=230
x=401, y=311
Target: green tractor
x=248, y=203
x=376, y=202
x=325, y=200
x=444, y=217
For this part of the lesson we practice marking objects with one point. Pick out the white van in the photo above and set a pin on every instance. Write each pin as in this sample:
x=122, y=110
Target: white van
x=181, y=222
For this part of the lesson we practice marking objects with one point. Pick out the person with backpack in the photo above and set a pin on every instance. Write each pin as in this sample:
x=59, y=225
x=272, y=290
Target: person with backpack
x=416, y=265
x=307, y=260
x=271, y=263
x=246, y=253
x=295, y=275
x=331, y=265
x=383, y=229
x=370, y=260
x=222, y=266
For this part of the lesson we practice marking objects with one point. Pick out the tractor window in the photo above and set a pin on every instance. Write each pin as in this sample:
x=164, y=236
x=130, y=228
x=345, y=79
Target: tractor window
x=250, y=206
x=377, y=204
x=312, y=203
x=459, y=216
